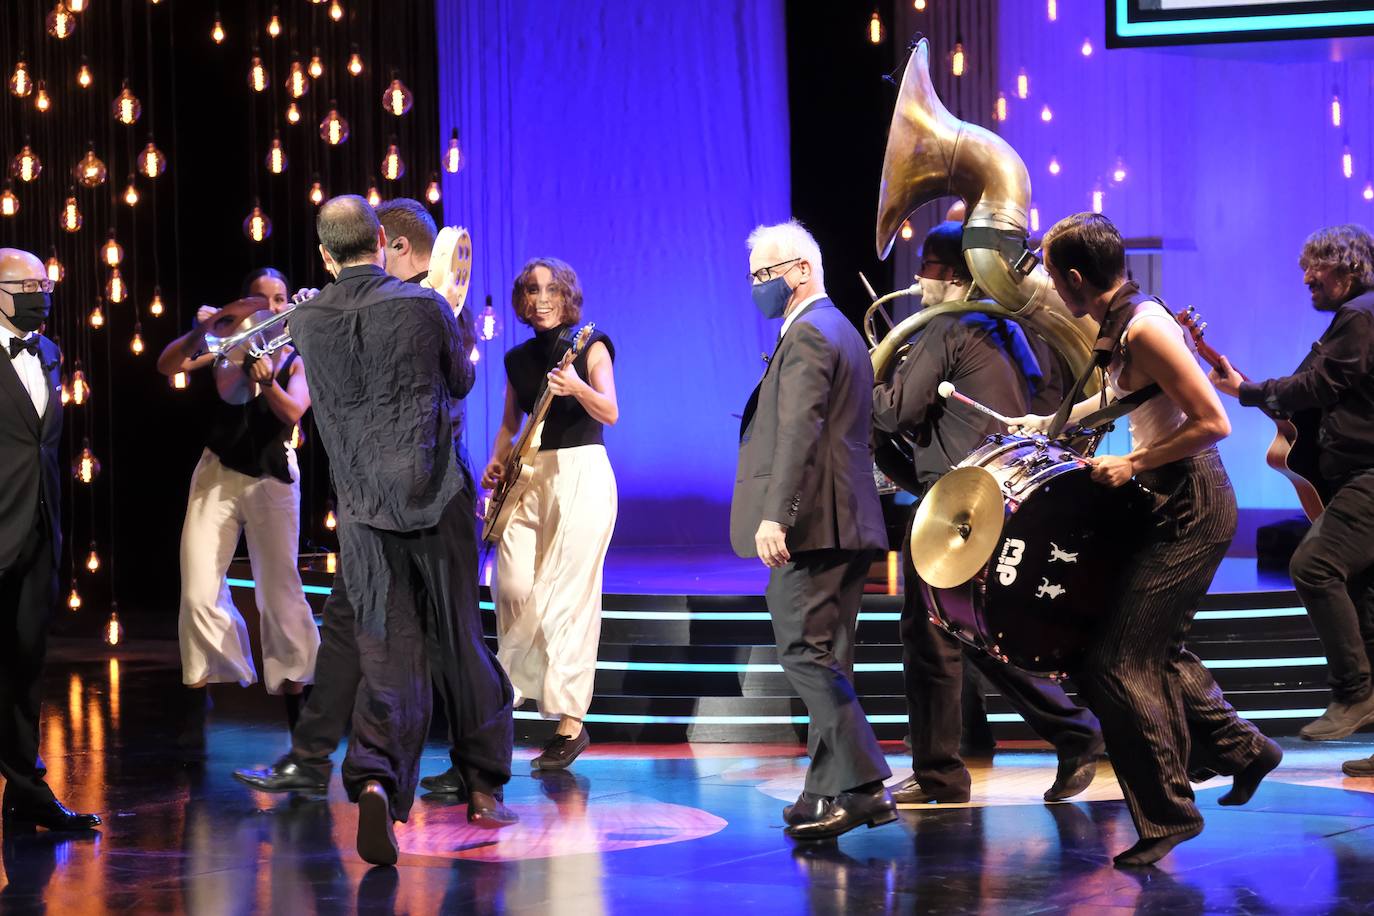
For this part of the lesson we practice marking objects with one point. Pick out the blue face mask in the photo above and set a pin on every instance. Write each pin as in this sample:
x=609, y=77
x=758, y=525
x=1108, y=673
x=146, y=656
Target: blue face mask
x=771, y=296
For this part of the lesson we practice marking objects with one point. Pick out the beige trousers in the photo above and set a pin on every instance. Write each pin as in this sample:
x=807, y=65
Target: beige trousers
x=548, y=580
x=214, y=638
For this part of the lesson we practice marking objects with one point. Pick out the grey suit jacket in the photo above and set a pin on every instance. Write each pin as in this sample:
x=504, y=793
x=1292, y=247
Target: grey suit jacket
x=804, y=454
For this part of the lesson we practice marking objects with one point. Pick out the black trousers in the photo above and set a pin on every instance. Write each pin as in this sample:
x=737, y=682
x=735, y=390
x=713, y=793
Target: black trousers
x=933, y=667
x=28, y=594
x=1333, y=572
x=434, y=626
x=814, y=604
x=1156, y=701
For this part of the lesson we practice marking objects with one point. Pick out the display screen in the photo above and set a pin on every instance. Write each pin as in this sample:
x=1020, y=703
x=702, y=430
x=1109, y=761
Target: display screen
x=1166, y=22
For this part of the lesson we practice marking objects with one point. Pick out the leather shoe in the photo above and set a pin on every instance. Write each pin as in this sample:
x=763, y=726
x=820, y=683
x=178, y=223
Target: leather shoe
x=286, y=775
x=845, y=812
x=909, y=792
x=807, y=807
x=51, y=814
x=1339, y=720
x=1362, y=767
x=449, y=782
x=490, y=811
x=561, y=751
x=376, y=832
x=1075, y=774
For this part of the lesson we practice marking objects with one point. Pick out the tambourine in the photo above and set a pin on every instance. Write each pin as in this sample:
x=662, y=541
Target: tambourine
x=452, y=253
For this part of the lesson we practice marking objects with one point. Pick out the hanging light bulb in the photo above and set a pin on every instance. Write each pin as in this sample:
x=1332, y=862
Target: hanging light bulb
x=999, y=111
x=1053, y=10
x=74, y=598
x=293, y=114
x=1054, y=164
x=179, y=381
x=9, y=202
x=257, y=226
x=90, y=171
x=1046, y=115
x=41, y=100
x=115, y=290
x=131, y=193
x=155, y=307
x=907, y=232
x=217, y=33
x=21, y=84
x=393, y=166
x=112, y=253
x=474, y=354
x=875, y=29
x=919, y=6
x=1035, y=219
x=316, y=193
x=84, y=79
x=432, y=193
x=274, y=25
x=276, y=156
x=54, y=269
x=316, y=69
x=1022, y=85
x=257, y=75
x=136, y=345
x=334, y=127
x=397, y=99
x=86, y=467
x=126, y=107
x=297, y=80
x=1335, y=109
x=330, y=520
x=1369, y=190
x=114, y=630
x=488, y=323
x=1347, y=162
x=61, y=23
x=151, y=162
x=1087, y=48
x=331, y=562
x=70, y=219
x=93, y=559
x=373, y=198
x=454, y=160
x=1119, y=172
x=97, y=321
x=336, y=11
x=355, y=63
x=76, y=6
x=66, y=392
x=81, y=389
x=957, y=60
x=1098, y=197
x=26, y=166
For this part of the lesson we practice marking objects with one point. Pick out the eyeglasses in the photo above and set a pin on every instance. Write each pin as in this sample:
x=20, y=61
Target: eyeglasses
x=764, y=274
x=929, y=262
x=30, y=286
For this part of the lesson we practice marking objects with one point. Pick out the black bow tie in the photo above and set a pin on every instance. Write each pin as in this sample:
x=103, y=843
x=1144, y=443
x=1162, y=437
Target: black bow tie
x=19, y=345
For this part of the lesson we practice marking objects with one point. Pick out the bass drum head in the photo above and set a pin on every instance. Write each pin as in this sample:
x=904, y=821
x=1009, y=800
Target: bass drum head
x=1055, y=571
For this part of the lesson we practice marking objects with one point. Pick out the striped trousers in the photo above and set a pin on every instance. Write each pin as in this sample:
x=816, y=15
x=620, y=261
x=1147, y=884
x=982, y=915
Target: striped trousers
x=1158, y=705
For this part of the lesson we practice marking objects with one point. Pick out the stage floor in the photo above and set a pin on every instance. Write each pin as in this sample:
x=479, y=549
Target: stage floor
x=675, y=828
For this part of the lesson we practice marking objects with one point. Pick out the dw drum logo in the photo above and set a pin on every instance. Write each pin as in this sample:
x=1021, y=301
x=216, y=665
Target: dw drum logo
x=1012, y=551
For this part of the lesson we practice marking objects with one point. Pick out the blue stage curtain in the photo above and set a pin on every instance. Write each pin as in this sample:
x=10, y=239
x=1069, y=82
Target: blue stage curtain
x=640, y=142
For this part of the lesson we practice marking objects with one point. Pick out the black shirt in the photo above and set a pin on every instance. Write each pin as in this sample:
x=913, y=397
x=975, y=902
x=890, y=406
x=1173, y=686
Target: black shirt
x=568, y=424
x=467, y=338
x=986, y=358
x=385, y=362
x=247, y=438
x=1336, y=379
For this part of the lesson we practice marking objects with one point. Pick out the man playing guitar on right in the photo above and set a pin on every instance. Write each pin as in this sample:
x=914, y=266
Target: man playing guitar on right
x=1333, y=567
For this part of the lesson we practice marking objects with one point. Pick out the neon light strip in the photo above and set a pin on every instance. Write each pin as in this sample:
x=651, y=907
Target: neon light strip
x=308, y=589
x=1001, y=717
x=1259, y=614
x=1128, y=29
x=896, y=667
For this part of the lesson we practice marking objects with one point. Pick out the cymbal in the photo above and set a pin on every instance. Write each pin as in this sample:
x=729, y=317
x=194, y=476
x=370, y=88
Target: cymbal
x=957, y=526
x=451, y=254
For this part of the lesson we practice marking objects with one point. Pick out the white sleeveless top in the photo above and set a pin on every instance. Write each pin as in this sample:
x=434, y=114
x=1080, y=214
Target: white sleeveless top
x=1159, y=417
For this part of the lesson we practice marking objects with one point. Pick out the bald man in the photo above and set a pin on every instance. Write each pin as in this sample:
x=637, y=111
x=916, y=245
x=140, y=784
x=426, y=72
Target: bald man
x=30, y=536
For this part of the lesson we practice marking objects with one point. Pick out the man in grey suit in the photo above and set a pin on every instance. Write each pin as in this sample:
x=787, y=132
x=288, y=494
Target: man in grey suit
x=805, y=504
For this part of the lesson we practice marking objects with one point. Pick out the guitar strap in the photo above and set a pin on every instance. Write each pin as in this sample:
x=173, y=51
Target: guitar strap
x=560, y=346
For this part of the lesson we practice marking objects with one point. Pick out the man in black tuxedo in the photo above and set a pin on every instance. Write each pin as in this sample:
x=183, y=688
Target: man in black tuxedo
x=30, y=535
x=805, y=504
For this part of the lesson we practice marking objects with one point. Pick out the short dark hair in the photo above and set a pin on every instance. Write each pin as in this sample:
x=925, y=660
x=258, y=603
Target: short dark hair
x=405, y=216
x=1347, y=248
x=945, y=243
x=347, y=228
x=1089, y=244
x=256, y=275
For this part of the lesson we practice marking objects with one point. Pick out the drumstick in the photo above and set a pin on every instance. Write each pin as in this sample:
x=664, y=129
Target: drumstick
x=947, y=390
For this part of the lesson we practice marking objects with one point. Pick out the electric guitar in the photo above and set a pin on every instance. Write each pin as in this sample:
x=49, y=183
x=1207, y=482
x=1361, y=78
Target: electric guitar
x=519, y=468
x=1293, y=453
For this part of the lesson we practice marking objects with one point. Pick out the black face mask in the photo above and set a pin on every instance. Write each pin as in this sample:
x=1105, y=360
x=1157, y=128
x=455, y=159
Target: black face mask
x=30, y=310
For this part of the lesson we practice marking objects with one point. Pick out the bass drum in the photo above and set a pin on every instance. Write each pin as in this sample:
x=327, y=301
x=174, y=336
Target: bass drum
x=1055, y=569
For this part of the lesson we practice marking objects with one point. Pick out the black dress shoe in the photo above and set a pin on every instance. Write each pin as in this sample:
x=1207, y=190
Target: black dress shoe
x=51, y=814
x=561, y=751
x=449, y=782
x=1074, y=776
x=909, y=792
x=376, y=831
x=489, y=810
x=286, y=775
x=807, y=807
x=845, y=812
